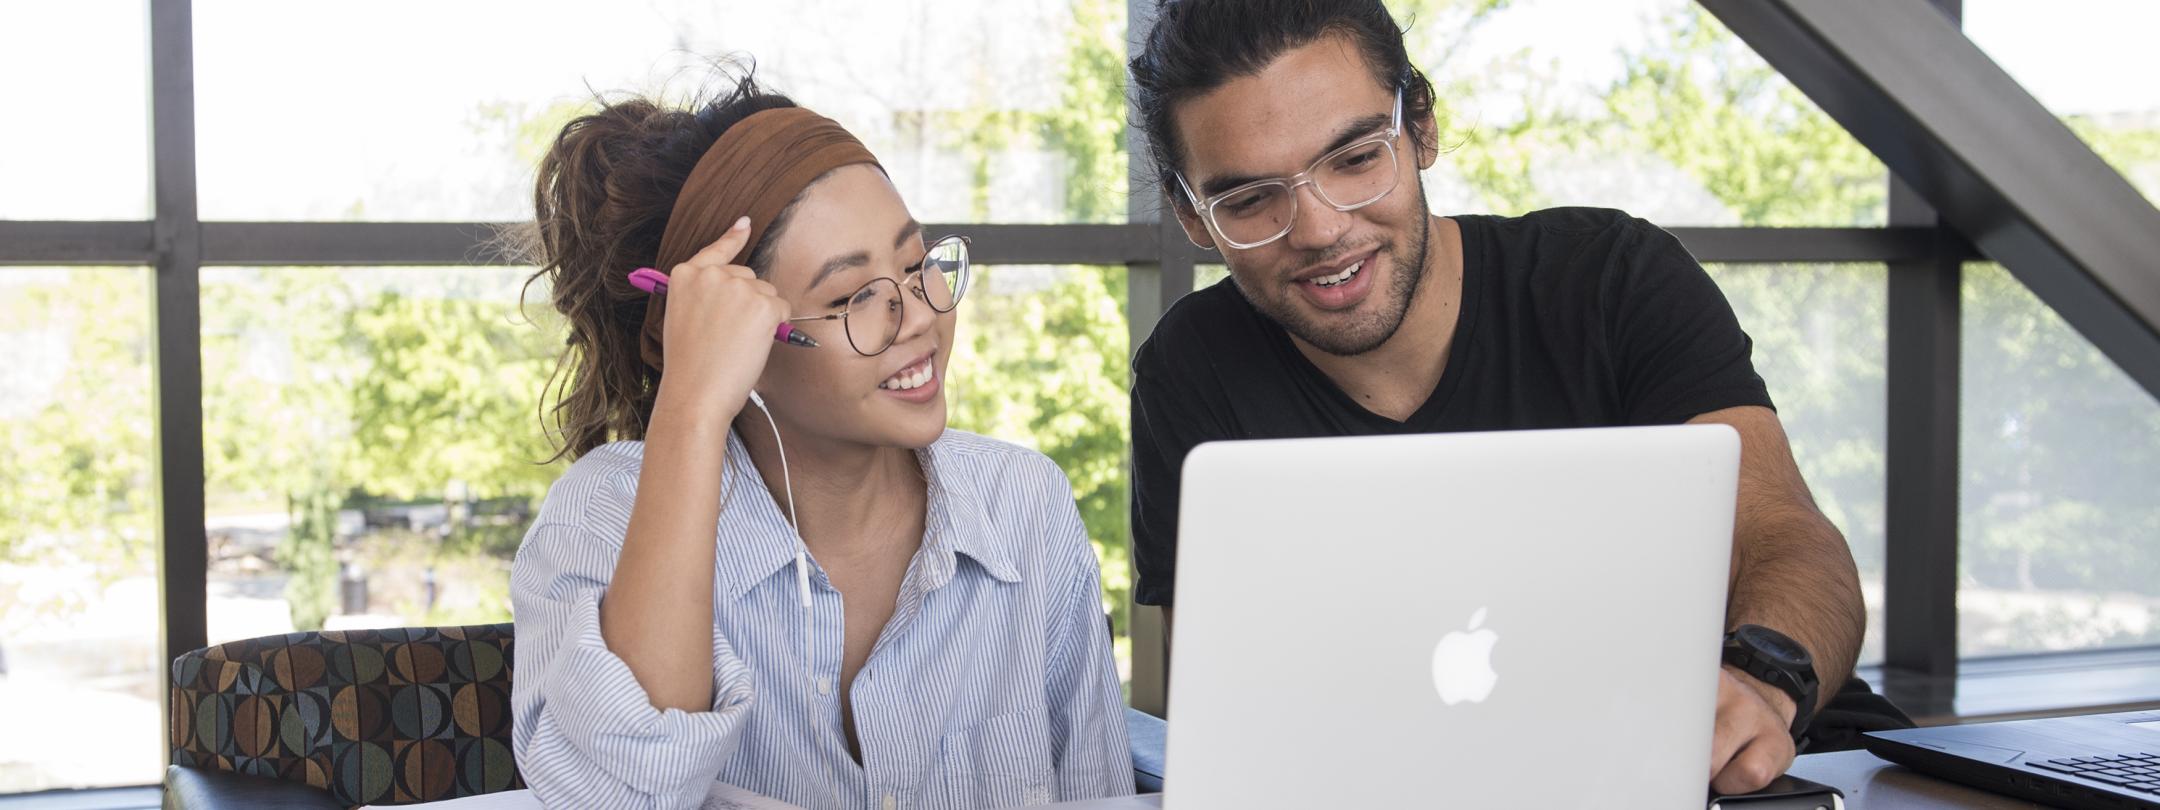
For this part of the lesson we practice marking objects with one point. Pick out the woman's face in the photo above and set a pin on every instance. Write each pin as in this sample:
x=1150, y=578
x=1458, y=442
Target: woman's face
x=850, y=228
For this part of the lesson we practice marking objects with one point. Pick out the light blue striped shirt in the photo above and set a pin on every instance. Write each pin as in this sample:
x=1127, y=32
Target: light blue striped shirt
x=992, y=686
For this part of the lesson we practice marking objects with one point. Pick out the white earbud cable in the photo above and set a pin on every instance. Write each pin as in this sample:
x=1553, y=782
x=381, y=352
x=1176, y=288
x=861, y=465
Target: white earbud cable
x=802, y=569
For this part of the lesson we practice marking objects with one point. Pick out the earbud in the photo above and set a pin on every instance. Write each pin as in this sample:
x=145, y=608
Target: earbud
x=759, y=402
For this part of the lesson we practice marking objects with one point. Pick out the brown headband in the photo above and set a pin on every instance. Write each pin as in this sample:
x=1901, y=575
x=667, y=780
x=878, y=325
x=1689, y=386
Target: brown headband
x=756, y=168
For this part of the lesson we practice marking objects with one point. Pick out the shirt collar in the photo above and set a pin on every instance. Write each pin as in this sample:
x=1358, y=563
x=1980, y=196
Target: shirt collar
x=762, y=542
x=958, y=522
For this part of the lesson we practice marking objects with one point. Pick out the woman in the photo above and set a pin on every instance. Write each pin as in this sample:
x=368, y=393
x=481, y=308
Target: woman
x=771, y=565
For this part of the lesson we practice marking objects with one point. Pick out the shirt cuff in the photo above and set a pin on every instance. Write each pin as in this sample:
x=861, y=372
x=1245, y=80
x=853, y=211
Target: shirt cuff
x=598, y=708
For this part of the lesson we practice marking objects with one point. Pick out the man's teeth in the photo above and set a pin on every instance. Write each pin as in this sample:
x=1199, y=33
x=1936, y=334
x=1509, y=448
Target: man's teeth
x=903, y=382
x=1347, y=274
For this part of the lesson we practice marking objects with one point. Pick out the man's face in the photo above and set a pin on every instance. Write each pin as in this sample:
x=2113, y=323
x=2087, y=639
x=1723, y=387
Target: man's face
x=1310, y=101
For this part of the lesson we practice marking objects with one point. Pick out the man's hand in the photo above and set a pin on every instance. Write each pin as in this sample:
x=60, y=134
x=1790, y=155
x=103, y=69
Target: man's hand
x=1753, y=743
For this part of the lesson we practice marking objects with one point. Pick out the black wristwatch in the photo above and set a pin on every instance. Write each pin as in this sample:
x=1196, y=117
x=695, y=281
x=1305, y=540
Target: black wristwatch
x=1776, y=659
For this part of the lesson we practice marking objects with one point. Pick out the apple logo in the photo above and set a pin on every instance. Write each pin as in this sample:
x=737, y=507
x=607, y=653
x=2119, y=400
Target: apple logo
x=1462, y=663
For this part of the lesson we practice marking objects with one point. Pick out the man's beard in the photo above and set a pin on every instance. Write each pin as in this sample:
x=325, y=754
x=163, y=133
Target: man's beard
x=1364, y=332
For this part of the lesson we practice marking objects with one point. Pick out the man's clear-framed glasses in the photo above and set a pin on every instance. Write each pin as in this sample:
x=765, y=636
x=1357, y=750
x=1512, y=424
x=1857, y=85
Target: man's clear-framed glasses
x=1347, y=179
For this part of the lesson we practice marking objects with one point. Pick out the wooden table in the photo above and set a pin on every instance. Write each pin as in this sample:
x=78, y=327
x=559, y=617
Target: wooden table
x=1869, y=784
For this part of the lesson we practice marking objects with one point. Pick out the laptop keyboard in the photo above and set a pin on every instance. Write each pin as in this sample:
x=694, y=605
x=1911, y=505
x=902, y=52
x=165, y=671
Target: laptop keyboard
x=2140, y=772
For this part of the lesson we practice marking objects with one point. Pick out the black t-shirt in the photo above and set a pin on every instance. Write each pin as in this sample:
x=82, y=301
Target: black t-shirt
x=1571, y=317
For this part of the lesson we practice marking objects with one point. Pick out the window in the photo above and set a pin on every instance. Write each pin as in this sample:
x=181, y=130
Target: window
x=2060, y=456
x=78, y=548
x=76, y=145
x=997, y=112
x=372, y=444
x=1819, y=333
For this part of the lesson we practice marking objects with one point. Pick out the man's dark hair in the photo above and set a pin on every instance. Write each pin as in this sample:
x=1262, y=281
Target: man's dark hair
x=1197, y=46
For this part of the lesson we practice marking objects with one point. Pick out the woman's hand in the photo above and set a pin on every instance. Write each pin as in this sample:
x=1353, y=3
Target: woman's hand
x=719, y=329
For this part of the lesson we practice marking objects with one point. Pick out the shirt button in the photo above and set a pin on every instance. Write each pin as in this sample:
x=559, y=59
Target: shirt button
x=891, y=802
x=824, y=685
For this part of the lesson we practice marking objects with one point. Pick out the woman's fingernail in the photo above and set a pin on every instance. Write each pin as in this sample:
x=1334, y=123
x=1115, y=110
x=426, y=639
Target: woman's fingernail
x=741, y=223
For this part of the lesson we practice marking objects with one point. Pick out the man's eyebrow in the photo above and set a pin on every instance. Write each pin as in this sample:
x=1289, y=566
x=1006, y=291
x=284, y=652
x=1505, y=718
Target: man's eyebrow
x=910, y=229
x=1348, y=134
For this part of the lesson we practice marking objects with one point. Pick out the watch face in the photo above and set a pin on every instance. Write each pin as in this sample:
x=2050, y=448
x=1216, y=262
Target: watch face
x=1775, y=644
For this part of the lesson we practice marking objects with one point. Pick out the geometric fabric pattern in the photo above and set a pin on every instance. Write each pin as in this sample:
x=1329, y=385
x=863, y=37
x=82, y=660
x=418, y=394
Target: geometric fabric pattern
x=392, y=716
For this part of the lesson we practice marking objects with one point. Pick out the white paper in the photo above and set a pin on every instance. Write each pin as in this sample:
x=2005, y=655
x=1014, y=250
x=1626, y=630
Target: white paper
x=721, y=797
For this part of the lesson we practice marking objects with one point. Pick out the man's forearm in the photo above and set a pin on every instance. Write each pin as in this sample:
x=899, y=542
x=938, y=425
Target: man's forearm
x=1791, y=569
x=1794, y=574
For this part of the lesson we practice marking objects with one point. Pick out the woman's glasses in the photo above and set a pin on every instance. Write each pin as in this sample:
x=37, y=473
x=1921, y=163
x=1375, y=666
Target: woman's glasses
x=874, y=311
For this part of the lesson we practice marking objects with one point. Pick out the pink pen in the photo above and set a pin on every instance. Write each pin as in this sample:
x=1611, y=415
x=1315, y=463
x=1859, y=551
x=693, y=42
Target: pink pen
x=655, y=282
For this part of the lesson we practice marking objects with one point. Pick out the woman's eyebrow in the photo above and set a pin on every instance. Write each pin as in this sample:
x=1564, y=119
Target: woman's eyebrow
x=861, y=258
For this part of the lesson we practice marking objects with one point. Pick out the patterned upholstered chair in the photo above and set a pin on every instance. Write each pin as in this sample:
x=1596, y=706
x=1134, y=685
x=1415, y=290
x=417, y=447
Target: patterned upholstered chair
x=362, y=716
x=337, y=719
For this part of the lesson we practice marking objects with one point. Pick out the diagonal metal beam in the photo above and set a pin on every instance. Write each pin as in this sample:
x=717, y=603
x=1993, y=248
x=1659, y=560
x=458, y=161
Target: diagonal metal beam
x=1995, y=163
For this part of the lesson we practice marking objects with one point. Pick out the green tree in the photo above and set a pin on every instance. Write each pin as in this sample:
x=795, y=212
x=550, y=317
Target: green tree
x=1700, y=99
x=308, y=554
x=2044, y=409
x=330, y=389
x=277, y=360
x=1497, y=158
x=445, y=406
x=77, y=488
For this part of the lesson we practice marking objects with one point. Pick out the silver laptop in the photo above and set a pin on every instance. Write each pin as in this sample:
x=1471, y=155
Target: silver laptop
x=1471, y=620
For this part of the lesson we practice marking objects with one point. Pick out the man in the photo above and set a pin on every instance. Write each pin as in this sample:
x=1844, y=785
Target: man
x=1288, y=134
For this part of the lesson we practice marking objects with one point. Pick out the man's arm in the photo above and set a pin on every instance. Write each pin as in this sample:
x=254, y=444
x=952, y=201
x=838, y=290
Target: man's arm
x=1791, y=569
x=1793, y=573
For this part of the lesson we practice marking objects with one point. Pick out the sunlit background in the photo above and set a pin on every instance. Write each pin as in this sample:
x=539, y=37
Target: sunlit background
x=371, y=435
